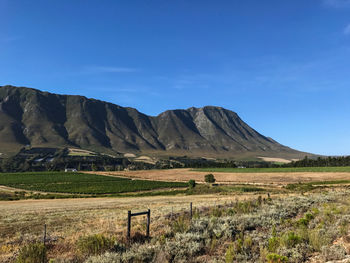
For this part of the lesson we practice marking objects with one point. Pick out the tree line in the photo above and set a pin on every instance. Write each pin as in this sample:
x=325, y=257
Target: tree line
x=320, y=162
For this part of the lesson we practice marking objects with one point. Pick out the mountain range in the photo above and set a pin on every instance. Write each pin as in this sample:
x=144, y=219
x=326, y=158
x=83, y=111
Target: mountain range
x=42, y=119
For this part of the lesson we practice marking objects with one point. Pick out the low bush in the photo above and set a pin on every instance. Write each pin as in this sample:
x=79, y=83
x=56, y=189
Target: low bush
x=275, y=258
x=32, y=253
x=301, y=187
x=273, y=244
x=95, y=244
x=246, y=225
x=230, y=253
x=209, y=178
x=191, y=183
x=180, y=225
x=335, y=252
x=290, y=239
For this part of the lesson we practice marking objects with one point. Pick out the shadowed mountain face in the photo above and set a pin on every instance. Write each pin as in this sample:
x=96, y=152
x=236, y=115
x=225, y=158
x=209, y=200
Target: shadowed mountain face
x=29, y=116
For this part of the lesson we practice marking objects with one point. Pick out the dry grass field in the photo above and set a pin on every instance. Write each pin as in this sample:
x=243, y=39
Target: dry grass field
x=183, y=175
x=23, y=221
x=277, y=160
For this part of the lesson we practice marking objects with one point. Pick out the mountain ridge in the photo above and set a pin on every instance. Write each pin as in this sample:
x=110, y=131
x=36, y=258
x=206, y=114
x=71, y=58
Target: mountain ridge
x=43, y=119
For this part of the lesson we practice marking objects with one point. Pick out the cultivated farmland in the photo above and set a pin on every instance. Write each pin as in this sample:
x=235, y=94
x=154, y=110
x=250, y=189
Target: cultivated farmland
x=238, y=176
x=78, y=183
x=341, y=169
x=302, y=217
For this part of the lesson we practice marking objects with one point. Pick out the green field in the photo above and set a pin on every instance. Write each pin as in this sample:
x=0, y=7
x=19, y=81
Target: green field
x=277, y=170
x=78, y=183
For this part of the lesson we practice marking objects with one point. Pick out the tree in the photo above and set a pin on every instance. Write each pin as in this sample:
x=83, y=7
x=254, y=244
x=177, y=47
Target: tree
x=191, y=183
x=94, y=167
x=209, y=178
x=6, y=165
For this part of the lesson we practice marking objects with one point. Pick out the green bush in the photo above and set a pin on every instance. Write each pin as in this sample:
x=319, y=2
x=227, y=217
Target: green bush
x=209, y=178
x=301, y=187
x=32, y=253
x=191, y=183
x=230, y=253
x=290, y=239
x=318, y=238
x=275, y=258
x=273, y=244
x=305, y=220
x=216, y=212
x=180, y=225
x=95, y=244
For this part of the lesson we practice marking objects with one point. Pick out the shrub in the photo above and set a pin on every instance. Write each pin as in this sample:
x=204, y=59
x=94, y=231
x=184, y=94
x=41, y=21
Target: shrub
x=181, y=225
x=309, y=216
x=290, y=239
x=139, y=253
x=248, y=243
x=95, y=244
x=302, y=222
x=191, y=183
x=335, y=252
x=344, y=226
x=305, y=220
x=318, y=239
x=275, y=258
x=212, y=245
x=209, y=178
x=185, y=246
x=105, y=258
x=32, y=253
x=273, y=244
x=216, y=212
x=230, y=253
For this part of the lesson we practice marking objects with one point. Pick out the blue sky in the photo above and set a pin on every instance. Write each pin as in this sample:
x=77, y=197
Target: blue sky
x=283, y=66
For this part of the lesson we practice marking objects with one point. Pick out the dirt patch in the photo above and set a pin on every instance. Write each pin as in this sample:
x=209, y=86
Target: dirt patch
x=183, y=175
x=8, y=189
x=277, y=160
x=130, y=155
x=80, y=152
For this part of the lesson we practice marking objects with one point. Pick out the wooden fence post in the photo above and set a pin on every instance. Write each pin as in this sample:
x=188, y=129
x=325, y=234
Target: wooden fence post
x=44, y=242
x=191, y=210
x=148, y=221
x=44, y=235
x=147, y=213
x=129, y=226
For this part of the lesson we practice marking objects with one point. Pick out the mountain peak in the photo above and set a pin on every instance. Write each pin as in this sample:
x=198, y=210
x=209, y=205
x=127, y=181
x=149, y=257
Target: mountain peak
x=42, y=119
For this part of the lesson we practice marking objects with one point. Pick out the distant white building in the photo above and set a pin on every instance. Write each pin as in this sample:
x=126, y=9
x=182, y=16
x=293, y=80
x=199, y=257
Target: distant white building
x=70, y=170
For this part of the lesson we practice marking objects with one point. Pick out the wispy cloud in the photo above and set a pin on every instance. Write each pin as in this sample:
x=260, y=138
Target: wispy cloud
x=347, y=30
x=107, y=69
x=337, y=3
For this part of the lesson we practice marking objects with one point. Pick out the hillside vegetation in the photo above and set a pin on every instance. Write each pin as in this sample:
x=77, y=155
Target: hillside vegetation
x=293, y=229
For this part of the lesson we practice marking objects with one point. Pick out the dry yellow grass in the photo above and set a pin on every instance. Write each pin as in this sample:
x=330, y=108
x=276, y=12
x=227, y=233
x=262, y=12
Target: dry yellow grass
x=183, y=175
x=68, y=219
x=277, y=160
x=80, y=152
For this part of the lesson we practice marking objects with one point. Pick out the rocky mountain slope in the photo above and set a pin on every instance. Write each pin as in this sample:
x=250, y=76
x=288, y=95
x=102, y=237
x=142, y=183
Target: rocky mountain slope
x=42, y=119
